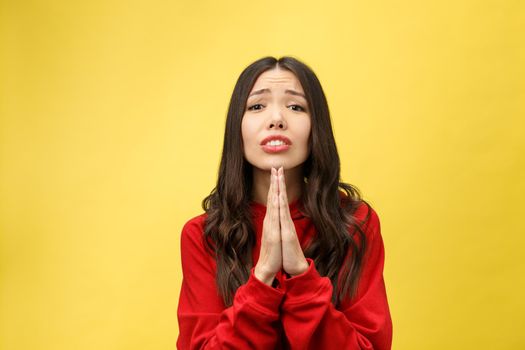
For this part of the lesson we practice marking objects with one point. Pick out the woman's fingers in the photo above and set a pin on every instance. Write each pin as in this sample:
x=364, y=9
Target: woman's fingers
x=272, y=205
x=274, y=189
x=270, y=191
x=270, y=257
x=294, y=261
x=284, y=210
x=286, y=223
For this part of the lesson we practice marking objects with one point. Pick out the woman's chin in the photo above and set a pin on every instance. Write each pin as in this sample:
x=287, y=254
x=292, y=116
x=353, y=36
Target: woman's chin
x=268, y=167
x=267, y=164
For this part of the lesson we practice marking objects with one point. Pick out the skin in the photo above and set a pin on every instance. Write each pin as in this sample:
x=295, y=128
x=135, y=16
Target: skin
x=273, y=113
x=278, y=177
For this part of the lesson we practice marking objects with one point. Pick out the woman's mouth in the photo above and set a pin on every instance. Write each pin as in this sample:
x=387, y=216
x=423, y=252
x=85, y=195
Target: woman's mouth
x=275, y=146
x=275, y=143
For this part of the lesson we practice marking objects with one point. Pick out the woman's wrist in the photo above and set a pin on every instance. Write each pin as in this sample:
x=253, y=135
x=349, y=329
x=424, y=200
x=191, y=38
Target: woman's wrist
x=300, y=270
x=263, y=276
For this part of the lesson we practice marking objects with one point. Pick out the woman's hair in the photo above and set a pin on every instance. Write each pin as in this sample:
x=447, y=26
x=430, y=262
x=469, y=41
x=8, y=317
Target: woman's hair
x=228, y=231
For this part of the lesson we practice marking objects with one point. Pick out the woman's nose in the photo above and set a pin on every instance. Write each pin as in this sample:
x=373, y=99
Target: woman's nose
x=277, y=125
x=277, y=122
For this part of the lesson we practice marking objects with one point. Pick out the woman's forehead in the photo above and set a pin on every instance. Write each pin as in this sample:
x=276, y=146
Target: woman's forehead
x=277, y=79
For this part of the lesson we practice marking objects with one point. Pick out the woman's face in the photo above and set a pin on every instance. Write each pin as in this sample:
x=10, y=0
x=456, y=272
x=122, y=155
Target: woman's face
x=276, y=122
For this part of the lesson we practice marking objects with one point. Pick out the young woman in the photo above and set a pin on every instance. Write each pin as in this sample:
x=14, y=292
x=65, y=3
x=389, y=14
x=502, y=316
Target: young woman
x=286, y=256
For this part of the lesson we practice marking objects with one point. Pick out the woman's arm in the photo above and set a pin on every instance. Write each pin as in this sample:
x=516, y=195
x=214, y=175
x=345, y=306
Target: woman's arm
x=252, y=322
x=311, y=321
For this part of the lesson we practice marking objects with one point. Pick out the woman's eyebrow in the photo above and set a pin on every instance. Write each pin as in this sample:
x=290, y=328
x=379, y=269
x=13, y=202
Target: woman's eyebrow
x=291, y=92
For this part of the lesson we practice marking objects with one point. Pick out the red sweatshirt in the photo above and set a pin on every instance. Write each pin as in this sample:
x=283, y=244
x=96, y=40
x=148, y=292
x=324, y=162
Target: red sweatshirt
x=298, y=314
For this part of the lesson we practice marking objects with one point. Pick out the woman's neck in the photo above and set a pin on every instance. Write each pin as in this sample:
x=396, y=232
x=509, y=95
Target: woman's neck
x=261, y=184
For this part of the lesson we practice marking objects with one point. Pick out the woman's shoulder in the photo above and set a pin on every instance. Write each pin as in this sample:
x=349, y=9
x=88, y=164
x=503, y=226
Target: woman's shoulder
x=193, y=228
x=366, y=221
x=194, y=250
x=366, y=214
x=362, y=212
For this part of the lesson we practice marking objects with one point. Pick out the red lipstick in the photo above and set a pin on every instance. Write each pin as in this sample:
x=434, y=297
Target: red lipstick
x=279, y=147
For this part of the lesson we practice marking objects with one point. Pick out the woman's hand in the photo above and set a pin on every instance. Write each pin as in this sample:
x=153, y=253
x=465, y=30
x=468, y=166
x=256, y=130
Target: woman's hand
x=294, y=262
x=270, y=257
x=280, y=247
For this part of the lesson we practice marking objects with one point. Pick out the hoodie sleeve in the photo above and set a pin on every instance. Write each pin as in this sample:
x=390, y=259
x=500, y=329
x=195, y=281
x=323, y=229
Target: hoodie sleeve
x=252, y=322
x=310, y=320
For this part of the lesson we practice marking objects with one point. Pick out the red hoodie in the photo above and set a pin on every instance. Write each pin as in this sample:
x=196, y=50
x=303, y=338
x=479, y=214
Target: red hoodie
x=297, y=314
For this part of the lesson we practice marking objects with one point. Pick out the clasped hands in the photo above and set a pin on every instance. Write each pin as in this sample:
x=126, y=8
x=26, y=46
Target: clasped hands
x=280, y=247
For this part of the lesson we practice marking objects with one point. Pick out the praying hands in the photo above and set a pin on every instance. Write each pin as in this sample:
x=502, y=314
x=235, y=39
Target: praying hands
x=280, y=247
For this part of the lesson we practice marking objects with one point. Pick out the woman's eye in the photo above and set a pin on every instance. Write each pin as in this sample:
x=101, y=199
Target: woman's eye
x=300, y=108
x=255, y=105
x=259, y=106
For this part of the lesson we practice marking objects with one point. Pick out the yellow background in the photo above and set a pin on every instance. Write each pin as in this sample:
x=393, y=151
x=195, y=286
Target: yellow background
x=112, y=118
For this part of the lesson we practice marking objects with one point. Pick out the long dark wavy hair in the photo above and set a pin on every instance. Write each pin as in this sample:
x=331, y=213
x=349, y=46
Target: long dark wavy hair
x=228, y=232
